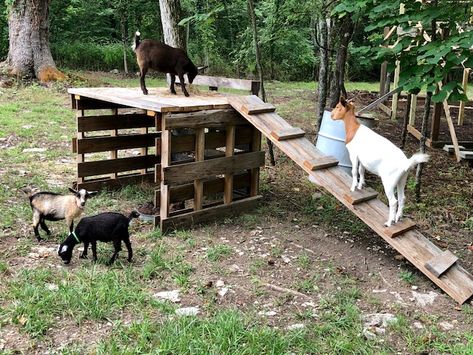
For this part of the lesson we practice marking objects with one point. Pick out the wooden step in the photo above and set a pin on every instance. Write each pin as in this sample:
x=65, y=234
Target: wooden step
x=466, y=154
x=256, y=109
x=441, y=263
x=289, y=133
x=399, y=228
x=359, y=196
x=322, y=163
x=450, y=148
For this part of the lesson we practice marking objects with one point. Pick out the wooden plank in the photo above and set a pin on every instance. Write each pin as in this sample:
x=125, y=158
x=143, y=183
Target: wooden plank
x=113, y=133
x=85, y=103
x=74, y=145
x=456, y=282
x=229, y=149
x=322, y=163
x=451, y=127
x=128, y=141
x=292, y=133
x=385, y=109
x=101, y=123
x=258, y=109
x=255, y=147
x=357, y=196
x=412, y=112
x=450, y=149
x=399, y=228
x=435, y=126
x=221, y=82
x=164, y=207
x=80, y=135
x=113, y=184
x=412, y=130
x=229, y=165
x=397, y=72
x=461, y=109
x=441, y=263
x=211, y=213
x=466, y=154
x=101, y=167
x=207, y=118
x=199, y=157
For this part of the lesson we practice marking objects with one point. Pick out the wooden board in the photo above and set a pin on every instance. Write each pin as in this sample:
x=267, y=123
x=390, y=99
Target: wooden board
x=101, y=123
x=206, y=118
x=456, y=282
x=221, y=82
x=112, y=184
x=288, y=134
x=256, y=109
x=103, y=144
x=211, y=213
x=177, y=174
x=357, y=196
x=158, y=99
x=101, y=167
x=84, y=103
x=441, y=263
x=322, y=163
x=399, y=228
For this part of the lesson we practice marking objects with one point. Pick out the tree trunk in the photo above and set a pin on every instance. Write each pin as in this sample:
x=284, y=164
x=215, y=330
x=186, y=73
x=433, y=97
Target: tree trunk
x=323, y=68
x=29, y=54
x=423, y=138
x=170, y=17
x=338, y=85
x=125, y=46
x=251, y=12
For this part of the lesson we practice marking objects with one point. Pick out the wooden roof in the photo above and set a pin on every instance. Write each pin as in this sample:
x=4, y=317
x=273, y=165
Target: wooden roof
x=158, y=99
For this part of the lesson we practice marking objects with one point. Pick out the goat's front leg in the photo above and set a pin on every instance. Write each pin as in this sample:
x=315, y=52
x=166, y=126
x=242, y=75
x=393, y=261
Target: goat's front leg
x=94, y=250
x=171, y=86
x=142, y=80
x=44, y=226
x=401, y=185
x=361, y=171
x=354, y=172
x=84, y=253
x=183, y=84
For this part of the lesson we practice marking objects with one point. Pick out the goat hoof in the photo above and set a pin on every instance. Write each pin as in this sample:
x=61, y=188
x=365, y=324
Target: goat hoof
x=129, y=260
x=145, y=92
x=388, y=224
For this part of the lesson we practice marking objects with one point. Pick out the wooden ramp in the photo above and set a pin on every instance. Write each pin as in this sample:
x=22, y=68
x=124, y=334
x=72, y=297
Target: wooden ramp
x=441, y=267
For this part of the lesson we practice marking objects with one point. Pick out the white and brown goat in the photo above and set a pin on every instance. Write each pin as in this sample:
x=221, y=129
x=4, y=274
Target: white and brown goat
x=51, y=206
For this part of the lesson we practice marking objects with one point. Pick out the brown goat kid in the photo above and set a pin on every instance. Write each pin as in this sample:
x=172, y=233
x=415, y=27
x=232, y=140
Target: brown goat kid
x=163, y=58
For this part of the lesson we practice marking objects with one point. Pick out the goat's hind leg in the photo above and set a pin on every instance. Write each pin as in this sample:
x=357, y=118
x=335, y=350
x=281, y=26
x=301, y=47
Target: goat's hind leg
x=401, y=185
x=142, y=80
x=361, y=171
x=36, y=222
x=183, y=84
x=171, y=86
x=128, y=247
x=84, y=253
x=44, y=226
x=354, y=171
x=389, y=190
x=117, y=244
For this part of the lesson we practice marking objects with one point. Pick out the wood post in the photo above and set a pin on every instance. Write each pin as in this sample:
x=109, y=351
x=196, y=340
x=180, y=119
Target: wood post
x=165, y=162
x=461, y=110
x=114, y=133
x=80, y=157
x=229, y=148
x=397, y=71
x=199, y=156
x=255, y=147
x=412, y=112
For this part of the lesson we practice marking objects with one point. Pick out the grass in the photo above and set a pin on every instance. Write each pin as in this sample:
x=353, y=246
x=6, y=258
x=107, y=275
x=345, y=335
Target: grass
x=39, y=298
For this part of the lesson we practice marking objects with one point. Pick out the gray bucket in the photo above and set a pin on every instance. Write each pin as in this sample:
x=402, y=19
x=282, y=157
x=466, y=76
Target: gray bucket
x=331, y=138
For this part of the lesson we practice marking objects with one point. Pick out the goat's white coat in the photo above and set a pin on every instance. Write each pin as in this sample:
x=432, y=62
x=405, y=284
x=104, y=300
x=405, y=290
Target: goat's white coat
x=368, y=150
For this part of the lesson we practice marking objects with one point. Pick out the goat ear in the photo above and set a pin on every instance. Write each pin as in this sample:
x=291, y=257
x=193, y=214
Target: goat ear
x=92, y=193
x=72, y=190
x=63, y=249
x=343, y=101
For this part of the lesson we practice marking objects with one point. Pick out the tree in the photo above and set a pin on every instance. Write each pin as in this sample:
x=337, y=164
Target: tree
x=170, y=16
x=29, y=54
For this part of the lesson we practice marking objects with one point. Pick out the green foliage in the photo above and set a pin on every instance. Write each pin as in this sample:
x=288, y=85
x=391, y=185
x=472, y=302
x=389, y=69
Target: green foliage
x=424, y=63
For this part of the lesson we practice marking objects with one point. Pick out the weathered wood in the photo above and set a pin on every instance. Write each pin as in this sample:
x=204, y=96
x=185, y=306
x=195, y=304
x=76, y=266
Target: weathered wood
x=399, y=228
x=461, y=109
x=74, y=145
x=412, y=130
x=412, y=112
x=466, y=154
x=113, y=133
x=288, y=134
x=158, y=99
x=128, y=141
x=208, y=119
x=435, y=127
x=457, y=282
x=385, y=109
x=397, y=72
x=441, y=263
x=258, y=109
x=80, y=135
x=357, y=196
x=229, y=148
x=322, y=163
x=165, y=162
x=112, y=184
x=101, y=167
x=450, y=148
x=451, y=128
x=85, y=103
x=101, y=123
x=221, y=82
x=255, y=147
x=211, y=213
x=199, y=157
x=177, y=174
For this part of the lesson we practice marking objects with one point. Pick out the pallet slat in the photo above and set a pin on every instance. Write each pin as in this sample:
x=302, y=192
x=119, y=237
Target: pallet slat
x=206, y=118
x=441, y=263
x=357, y=196
x=112, y=184
x=285, y=134
x=177, y=174
x=256, y=109
x=126, y=121
x=321, y=163
x=103, y=144
x=101, y=167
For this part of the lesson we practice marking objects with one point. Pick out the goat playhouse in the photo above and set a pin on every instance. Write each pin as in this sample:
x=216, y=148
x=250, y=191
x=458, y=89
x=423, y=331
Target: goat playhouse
x=221, y=136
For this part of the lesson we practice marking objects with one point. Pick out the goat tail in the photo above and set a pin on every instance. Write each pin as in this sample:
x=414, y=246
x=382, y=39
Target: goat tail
x=137, y=41
x=417, y=158
x=133, y=214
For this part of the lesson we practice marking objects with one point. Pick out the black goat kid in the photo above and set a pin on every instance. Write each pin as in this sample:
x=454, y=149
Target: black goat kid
x=104, y=227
